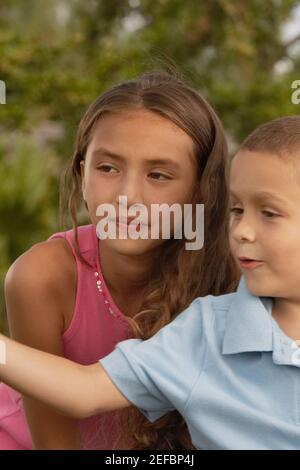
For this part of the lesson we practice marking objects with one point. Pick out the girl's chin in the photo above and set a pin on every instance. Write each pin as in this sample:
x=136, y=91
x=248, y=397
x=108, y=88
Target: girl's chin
x=133, y=247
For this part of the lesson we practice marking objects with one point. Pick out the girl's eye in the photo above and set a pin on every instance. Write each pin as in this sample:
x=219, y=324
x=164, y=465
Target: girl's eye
x=106, y=168
x=158, y=175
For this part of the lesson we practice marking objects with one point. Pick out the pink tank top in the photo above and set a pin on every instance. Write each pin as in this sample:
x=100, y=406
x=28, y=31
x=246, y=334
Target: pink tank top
x=97, y=326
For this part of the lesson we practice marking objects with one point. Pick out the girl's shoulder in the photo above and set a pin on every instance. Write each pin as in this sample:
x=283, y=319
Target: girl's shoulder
x=48, y=261
x=45, y=271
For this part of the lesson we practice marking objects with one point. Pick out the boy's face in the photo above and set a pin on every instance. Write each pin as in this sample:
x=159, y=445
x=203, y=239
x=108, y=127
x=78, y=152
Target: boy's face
x=265, y=222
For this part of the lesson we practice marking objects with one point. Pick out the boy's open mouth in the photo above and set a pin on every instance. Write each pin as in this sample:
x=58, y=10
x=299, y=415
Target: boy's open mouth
x=249, y=263
x=243, y=258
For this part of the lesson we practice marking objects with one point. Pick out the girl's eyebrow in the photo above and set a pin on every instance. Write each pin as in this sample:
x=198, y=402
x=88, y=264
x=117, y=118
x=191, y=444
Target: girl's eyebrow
x=101, y=151
x=263, y=195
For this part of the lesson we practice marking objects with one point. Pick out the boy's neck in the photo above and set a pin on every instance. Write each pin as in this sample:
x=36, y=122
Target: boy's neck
x=286, y=312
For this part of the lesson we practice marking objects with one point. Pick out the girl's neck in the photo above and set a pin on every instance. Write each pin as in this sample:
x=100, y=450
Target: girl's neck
x=126, y=276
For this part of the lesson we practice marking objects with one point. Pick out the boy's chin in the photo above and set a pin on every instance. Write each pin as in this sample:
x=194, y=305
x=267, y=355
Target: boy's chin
x=257, y=287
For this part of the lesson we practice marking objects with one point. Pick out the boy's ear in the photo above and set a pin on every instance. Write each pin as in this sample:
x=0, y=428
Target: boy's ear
x=82, y=178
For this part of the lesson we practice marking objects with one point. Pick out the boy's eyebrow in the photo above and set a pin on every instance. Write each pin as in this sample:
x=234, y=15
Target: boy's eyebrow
x=260, y=195
x=107, y=153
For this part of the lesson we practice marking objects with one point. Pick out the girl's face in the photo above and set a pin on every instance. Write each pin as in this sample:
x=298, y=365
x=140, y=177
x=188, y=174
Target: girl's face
x=265, y=222
x=142, y=156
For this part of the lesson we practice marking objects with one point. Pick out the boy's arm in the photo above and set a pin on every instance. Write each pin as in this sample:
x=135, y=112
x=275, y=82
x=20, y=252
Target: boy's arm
x=75, y=390
x=156, y=375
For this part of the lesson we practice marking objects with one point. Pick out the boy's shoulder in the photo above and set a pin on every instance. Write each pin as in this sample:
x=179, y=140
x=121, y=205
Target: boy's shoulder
x=206, y=311
x=214, y=302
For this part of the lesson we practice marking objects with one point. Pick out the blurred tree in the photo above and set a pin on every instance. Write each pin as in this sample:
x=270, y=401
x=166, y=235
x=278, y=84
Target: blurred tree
x=58, y=55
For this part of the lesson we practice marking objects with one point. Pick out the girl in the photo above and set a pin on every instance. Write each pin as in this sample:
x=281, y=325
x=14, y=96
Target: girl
x=153, y=140
x=229, y=364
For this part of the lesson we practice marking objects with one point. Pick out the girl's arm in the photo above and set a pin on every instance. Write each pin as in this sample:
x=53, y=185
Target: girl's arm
x=40, y=295
x=75, y=390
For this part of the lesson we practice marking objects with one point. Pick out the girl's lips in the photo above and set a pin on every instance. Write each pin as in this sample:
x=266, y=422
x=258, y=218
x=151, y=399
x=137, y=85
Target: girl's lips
x=129, y=220
x=247, y=263
x=126, y=222
x=129, y=223
x=131, y=227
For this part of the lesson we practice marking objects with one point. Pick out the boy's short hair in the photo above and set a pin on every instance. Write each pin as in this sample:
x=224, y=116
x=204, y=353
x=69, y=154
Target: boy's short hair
x=280, y=136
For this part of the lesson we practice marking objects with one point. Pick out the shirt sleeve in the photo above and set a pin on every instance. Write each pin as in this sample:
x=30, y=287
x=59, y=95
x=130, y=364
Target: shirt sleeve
x=157, y=375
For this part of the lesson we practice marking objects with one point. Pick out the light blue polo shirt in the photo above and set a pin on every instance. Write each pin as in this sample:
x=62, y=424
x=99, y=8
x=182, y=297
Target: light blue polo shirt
x=225, y=365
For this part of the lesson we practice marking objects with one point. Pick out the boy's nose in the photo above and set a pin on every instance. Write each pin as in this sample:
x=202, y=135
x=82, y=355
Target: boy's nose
x=243, y=230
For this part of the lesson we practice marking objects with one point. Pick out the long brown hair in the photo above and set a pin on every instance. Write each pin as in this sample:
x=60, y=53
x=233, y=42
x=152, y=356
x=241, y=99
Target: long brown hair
x=181, y=275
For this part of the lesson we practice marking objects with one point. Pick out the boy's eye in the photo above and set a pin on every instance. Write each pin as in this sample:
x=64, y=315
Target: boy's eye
x=239, y=211
x=270, y=214
x=159, y=176
x=236, y=210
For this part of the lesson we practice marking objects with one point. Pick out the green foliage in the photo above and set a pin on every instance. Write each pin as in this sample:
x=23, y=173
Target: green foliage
x=27, y=198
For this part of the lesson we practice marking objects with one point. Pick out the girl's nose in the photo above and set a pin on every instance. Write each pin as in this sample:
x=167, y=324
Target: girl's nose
x=132, y=188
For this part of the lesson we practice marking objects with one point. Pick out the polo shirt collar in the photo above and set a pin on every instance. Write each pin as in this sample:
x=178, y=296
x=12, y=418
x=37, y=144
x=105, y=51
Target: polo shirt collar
x=251, y=327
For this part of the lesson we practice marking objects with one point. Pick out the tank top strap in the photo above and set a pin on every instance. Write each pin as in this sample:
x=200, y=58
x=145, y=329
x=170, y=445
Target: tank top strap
x=86, y=242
